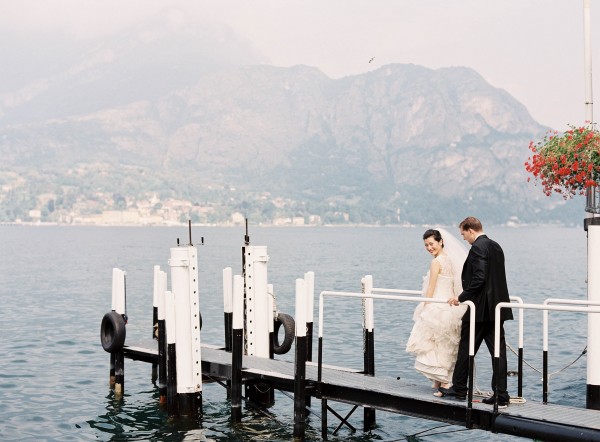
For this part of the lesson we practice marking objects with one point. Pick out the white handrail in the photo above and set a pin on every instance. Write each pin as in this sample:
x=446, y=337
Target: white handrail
x=545, y=307
x=398, y=298
x=402, y=292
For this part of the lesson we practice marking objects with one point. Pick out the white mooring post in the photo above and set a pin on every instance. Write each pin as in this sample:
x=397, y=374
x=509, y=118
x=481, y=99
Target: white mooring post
x=172, y=409
x=155, y=290
x=161, y=283
x=227, y=305
x=309, y=278
x=184, y=285
x=117, y=358
x=118, y=291
x=300, y=361
x=257, y=316
x=237, y=348
x=368, y=344
x=257, y=301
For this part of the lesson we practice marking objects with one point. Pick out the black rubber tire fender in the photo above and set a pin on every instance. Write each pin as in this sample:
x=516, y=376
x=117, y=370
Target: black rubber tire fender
x=112, y=332
x=289, y=329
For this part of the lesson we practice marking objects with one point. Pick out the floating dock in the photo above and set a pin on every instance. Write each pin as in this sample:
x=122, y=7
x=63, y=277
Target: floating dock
x=181, y=363
x=529, y=419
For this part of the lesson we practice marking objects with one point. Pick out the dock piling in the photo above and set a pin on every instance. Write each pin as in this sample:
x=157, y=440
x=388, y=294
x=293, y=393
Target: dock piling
x=368, y=345
x=155, y=317
x=119, y=374
x=593, y=345
x=162, y=337
x=257, y=316
x=172, y=408
x=184, y=285
x=300, y=362
x=227, y=305
x=119, y=305
x=237, y=348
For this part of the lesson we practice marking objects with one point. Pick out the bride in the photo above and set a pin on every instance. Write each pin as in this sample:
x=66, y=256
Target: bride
x=436, y=332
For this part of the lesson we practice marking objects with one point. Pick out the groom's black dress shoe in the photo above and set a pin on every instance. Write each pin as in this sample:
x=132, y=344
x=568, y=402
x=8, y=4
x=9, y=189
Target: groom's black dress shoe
x=502, y=403
x=451, y=392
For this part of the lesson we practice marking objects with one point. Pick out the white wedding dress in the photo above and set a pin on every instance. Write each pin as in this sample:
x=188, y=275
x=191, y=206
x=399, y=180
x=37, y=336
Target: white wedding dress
x=436, y=332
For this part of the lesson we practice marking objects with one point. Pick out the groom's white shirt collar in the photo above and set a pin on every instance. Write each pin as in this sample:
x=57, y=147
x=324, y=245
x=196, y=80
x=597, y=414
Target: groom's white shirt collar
x=478, y=235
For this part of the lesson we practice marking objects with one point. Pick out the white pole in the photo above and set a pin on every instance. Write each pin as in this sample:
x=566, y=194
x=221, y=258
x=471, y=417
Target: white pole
x=301, y=308
x=184, y=285
x=156, y=288
x=593, y=274
x=257, y=303
x=238, y=303
x=118, y=291
x=369, y=320
x=589, y=99
x=161, y=288
x=170, y=317
x=227, y=290
x=115, y=285
x=309, y=277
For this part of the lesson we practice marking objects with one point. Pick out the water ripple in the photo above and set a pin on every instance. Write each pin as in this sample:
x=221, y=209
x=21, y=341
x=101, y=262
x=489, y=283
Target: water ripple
x=54, y=373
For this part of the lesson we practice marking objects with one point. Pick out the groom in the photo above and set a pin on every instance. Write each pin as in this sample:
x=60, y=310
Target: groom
x=484, y=283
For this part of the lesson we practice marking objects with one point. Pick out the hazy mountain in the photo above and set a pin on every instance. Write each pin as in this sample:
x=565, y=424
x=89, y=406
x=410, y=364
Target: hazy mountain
x=51, y=75
x=400, y=144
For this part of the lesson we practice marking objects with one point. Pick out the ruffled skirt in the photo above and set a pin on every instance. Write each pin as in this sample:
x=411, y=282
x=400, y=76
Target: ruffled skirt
x=434, y=339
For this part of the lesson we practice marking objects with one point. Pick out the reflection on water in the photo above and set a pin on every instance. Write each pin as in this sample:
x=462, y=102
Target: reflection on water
x=55, y=287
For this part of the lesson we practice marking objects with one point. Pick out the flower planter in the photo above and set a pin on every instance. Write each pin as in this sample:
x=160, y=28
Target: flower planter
x=592, y=200
x=568, y=164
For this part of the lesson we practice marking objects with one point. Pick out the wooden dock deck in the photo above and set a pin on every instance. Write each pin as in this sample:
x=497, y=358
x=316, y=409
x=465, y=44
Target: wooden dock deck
x=529, y=419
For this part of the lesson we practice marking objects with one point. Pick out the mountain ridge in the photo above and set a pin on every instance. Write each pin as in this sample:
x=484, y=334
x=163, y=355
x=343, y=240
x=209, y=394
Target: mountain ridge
x=377, y=147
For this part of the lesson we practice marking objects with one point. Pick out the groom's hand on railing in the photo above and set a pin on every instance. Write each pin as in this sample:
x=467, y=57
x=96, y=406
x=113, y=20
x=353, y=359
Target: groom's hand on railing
x=453, y=301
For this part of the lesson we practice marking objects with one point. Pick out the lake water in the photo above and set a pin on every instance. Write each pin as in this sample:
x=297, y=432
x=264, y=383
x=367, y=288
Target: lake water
x=55, y=286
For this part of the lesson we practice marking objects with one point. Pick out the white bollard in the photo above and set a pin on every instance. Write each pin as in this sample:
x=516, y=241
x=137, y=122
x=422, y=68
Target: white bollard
x=171, y=353
x=118, y=291
x=227, y=305
x=301, y=307
x=237, y=349
x=155, y=288
x=300, y=362
x=309, y=277
x=184, y=285
x=161, y=288
x=227, y=290
x=257, y=303
x=170, y=317
x=238, y=303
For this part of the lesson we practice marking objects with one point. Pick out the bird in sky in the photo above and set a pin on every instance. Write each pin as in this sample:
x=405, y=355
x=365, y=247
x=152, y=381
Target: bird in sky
x=371, y=59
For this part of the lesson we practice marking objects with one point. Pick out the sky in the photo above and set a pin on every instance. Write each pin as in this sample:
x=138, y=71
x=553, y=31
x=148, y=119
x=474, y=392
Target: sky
x=533, y=49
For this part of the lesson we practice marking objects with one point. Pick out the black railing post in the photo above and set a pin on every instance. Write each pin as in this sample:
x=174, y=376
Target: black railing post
x=545, y=377
x=520, y=380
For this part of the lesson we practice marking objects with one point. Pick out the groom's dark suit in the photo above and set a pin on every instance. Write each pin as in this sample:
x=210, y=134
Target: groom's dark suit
x=484, y=283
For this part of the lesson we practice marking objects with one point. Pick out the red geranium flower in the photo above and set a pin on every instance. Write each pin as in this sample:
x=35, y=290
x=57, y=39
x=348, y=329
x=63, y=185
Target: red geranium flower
x=566, y=163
